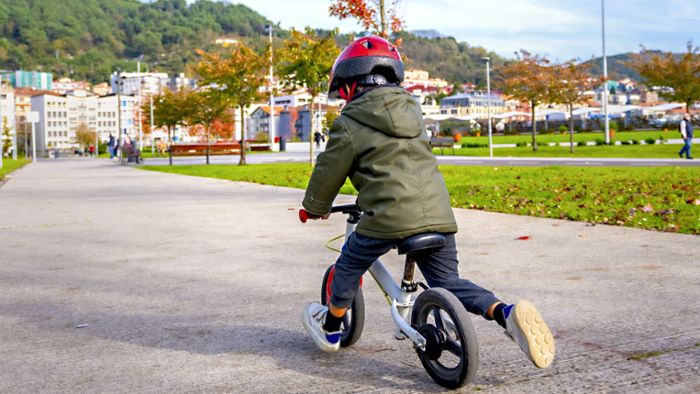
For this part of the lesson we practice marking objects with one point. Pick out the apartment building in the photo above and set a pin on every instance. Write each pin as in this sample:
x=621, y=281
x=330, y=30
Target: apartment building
x=472, y=104
x=60, y=116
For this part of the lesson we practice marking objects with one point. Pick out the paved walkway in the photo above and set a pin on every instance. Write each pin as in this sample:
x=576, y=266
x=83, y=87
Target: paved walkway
x=120, y=280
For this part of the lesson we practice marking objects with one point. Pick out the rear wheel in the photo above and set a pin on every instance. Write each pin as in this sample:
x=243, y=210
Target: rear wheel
x=354, y=320
x=451, y=355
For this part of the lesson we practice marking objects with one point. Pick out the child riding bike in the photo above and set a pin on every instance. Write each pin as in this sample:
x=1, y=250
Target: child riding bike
x=379, y=142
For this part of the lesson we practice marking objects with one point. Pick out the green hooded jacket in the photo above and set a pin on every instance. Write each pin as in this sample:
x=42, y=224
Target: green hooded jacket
x=379, y=142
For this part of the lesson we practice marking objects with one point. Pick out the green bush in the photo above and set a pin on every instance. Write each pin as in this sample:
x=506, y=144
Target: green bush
x=474, y=145
x=625, y=142
x=600, y=141
x=582, y=143
x=563, y=129
x=635, y=142
x=521, y=144
x=650, y=141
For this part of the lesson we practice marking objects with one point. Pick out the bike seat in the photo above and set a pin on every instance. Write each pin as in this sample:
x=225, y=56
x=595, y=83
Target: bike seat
x=421, y=242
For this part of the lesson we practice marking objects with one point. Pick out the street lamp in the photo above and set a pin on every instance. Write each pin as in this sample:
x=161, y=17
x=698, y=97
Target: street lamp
x=488, y=92
x=268, y=29
x=605, y=77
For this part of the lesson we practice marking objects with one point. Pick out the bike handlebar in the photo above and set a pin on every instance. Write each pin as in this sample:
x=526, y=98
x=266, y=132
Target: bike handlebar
x=348, y=209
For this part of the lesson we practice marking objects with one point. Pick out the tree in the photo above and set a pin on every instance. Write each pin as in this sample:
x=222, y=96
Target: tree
x=235, y=79
x=569, y=82
x=373, y=15
x=305, y=60
x=529, y=79
x=208, y=107
x=84, y=136
x=680, y=73
x=171, y=109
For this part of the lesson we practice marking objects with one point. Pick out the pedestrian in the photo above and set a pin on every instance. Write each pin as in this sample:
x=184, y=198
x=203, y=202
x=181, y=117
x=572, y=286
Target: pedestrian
x=111, y=146
x=686, y=129
x=317, y=139
x=379, y=142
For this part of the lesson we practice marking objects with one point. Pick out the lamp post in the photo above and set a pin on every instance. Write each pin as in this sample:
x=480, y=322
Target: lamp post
x=605, y=77
x=488, y=92
x=272, y=94
x=153, y=147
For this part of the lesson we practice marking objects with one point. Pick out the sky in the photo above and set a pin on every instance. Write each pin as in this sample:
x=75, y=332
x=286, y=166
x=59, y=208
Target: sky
x=561, y=30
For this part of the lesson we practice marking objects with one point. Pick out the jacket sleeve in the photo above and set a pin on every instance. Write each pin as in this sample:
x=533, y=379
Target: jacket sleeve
x=332, y=168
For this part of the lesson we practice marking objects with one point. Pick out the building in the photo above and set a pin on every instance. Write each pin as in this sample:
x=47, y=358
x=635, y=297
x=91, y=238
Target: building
x=28, y=79
x=7, y=116
x=302, y=97
x=60, y=116
x=303, y=122
x=422, y=77
x=259, y=121
x=180, y=81
x=102, y=89
x=65, y=85
x=131, y=84
x=472, y=104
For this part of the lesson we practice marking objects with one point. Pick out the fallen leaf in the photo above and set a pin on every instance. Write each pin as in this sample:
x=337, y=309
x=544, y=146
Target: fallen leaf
x=523, y=238
x=647, y=208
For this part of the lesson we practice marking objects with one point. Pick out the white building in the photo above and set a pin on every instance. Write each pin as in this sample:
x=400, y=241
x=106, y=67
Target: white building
x=7, y=114
x=150, y=83
x=301, y=97
x=61, y=115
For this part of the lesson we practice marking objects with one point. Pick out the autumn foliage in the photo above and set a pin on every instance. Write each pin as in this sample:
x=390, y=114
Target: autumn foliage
x=377, y=16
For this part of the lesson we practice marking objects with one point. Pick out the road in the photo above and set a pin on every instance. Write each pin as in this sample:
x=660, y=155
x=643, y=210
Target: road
x=120, y=280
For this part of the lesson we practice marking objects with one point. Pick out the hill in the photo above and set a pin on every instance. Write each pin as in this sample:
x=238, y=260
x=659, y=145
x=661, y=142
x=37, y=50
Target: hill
x=89, y=39
x=617, y=67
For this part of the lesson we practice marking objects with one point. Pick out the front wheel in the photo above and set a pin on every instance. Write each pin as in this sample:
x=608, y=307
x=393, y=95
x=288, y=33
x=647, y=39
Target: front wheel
x=354, y=320
x=451, y=355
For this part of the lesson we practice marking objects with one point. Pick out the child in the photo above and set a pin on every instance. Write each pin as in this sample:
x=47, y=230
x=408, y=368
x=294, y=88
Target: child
x=379, y=142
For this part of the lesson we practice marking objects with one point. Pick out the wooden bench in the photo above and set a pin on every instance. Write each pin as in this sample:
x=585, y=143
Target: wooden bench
x=201, y=149
x=443, y=143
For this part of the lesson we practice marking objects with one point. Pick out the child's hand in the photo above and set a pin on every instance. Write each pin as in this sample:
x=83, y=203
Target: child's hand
x=304, y=215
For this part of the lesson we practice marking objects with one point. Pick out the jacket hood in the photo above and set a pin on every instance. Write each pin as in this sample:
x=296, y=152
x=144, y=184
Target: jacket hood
x=390, y=110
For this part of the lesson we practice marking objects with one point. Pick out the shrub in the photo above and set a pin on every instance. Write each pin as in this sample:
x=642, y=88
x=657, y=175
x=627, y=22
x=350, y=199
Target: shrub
x=599, y=141
x=474, y=145
x=582, y=143
x=625, y=143
x=650, y=141
x=521, y=144
x=662, y=140
x=563, y=129
x=635, y=142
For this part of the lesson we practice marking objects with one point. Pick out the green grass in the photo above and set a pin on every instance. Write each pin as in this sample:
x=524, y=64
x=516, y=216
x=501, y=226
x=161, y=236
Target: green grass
x=9, y=165
x=578, y=136
x=657, y=151
x=666, y=199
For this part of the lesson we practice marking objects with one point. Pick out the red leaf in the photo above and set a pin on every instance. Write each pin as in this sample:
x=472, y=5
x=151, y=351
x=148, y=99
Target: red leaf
x=523, y=238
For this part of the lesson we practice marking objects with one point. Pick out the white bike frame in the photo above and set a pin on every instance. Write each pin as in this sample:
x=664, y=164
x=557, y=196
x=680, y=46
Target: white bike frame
x=400, y=301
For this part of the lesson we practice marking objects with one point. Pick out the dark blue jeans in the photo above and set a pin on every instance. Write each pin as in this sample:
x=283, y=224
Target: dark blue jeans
x=439, y=268
x=686, y=148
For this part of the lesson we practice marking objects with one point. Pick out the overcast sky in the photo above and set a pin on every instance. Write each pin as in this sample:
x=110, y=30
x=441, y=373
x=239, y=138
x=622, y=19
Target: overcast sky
x=560, y=29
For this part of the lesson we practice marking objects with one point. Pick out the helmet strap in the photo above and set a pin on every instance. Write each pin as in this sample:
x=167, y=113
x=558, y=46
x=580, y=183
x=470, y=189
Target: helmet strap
x=346, y=92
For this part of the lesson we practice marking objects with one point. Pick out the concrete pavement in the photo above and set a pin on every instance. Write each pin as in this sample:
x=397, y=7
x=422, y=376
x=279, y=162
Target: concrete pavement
x=120, y=280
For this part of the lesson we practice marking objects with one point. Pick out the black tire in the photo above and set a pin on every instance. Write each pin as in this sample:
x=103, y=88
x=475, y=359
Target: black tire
x=354, y=321
x=453, y=361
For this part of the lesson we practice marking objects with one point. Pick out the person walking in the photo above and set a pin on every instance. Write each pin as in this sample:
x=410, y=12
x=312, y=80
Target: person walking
x=686, y=129
x=110, y=146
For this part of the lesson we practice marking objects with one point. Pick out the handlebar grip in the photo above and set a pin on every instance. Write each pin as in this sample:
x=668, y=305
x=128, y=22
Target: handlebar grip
x=303, y=215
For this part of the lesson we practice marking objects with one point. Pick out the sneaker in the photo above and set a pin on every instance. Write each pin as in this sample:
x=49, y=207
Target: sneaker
x=524, y=325
x=313, y=318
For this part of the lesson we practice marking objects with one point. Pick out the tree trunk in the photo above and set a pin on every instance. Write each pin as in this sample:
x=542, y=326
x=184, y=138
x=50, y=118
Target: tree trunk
x=382, y=20
x=170, y=146
x=312, y=160
x=571, y=127
x=207, y=145
x=534, y=126
x=242, y=161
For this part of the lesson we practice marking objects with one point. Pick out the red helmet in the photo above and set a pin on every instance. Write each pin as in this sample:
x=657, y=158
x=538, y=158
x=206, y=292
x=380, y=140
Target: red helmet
x=368, y=60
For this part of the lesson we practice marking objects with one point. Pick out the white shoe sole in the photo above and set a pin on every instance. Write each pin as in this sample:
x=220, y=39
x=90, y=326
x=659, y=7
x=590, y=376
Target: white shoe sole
x=534, y=337
x=322, y=343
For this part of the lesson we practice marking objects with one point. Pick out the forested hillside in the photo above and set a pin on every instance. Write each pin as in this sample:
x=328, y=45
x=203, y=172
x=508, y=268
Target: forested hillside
x=90, y=38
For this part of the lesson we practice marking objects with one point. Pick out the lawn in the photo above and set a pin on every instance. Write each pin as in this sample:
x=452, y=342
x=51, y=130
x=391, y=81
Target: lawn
x=657, y=151
x=666, y=199
x=579, y=136
x=9, y=165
